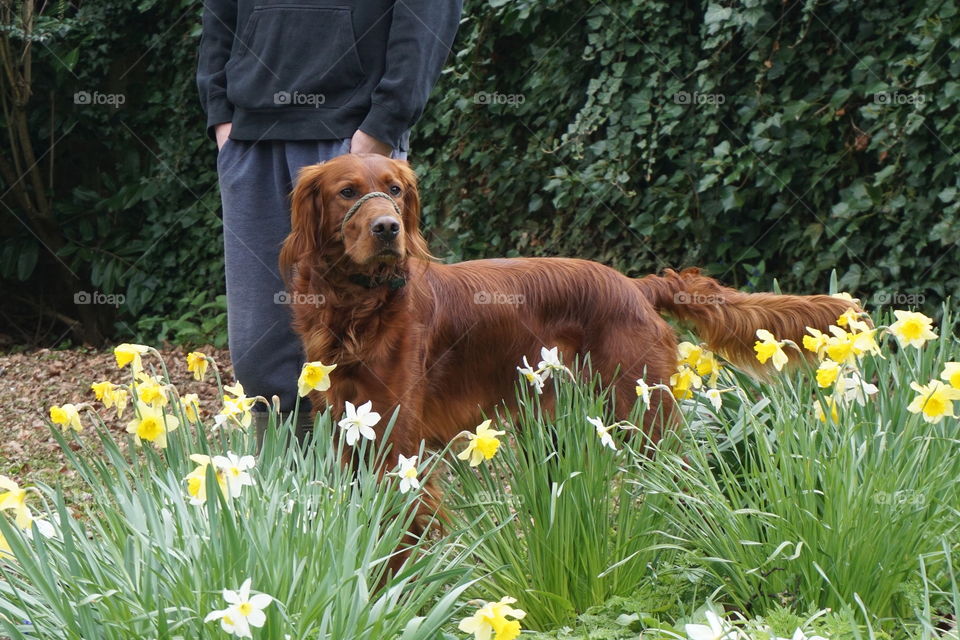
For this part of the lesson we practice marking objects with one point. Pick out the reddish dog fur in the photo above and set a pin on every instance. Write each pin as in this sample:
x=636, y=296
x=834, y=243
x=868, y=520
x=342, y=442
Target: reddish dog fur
x=435, y=350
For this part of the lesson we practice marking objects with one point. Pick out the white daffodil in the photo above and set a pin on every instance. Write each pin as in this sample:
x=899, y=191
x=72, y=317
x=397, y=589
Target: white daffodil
x=643, y=392
x=715, y=629
x=245, y=611
x=358, y=421
x=534, y=377
x=713, y=395
x=550, y=363
x=234, y=469
x=855, y=389
x=800, y=635
x=408, y=474
x=603, y=432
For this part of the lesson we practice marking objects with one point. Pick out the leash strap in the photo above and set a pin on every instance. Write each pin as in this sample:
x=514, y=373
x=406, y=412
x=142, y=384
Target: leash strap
x=356, y=206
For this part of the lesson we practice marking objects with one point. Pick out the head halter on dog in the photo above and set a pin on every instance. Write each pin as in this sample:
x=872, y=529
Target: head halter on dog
x=392, y=283
x=356, y=206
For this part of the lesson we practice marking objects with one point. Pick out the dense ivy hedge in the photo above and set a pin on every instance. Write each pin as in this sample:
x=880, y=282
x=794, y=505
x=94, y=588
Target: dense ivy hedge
x=762, y=139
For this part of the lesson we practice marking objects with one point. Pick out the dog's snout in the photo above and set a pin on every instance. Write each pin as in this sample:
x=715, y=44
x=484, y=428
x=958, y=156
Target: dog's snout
x=385, y=227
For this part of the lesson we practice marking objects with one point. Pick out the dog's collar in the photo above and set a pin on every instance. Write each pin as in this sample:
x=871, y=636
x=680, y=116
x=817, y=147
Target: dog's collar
x=356, y=206
x=368, y=282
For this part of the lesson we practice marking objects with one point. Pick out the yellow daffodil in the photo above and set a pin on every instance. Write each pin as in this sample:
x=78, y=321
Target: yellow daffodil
x=851, y=319
x=103, y=391
x=831, y=403
x=490, y=621
x=45, y=527
x=709, y=367
x=111, y=395
x=67, y=416
x=315, y=376
x=236, y=409
x=827, y=373
x=119, y=398
x=150, y=390
x=130, y=354
x=684, y=381
x=839, y=347
x=951, y=373
x=815, y=342
x=14, y=499
x=912, y=329
x=197, y=364
x=769, y=348
x=152, y=425
x=701, y=360
x=191, y=407
x=844, y=295
x=197, y=479
x=864, y=342
x=483, y=444
x=689, y=354
x=934, y=401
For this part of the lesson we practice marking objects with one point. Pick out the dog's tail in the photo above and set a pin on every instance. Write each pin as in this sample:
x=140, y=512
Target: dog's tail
x=727, y=320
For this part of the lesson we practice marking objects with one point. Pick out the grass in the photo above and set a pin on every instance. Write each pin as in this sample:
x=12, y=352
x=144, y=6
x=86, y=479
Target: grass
x=311, y=533
x=757, y=511
x=559, y=523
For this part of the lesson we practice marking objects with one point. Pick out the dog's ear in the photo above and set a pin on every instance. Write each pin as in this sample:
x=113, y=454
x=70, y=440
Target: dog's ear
x=416, y=243
x=306, y=219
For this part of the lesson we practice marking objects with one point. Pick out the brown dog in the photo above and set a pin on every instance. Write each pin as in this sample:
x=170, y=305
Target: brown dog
x=442, y=341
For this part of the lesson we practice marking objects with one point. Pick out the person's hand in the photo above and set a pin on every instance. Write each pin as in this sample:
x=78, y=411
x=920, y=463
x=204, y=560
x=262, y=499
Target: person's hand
x=362, y=143
x=222, y=131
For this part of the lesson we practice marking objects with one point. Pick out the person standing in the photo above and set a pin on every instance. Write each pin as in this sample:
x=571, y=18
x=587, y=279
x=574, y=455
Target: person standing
x=285, y=85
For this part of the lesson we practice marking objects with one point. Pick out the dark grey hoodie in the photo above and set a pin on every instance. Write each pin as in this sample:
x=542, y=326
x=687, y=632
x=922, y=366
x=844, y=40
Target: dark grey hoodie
x=321, y=69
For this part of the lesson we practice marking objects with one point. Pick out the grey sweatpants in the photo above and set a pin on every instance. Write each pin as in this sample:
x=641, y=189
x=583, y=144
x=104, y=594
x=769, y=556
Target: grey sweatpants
x=255, y=182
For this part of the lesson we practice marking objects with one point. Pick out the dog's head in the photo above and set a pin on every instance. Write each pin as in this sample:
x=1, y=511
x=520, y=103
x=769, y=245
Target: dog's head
x=330, y=215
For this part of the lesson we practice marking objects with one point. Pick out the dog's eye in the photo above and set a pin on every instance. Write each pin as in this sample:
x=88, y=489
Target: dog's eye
x=394, y=190
x=348, y=193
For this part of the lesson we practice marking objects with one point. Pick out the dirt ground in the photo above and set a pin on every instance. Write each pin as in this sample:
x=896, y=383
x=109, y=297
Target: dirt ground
x=31, y=382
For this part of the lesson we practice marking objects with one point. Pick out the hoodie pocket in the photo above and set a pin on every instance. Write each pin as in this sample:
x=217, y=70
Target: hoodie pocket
x=294, y=56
